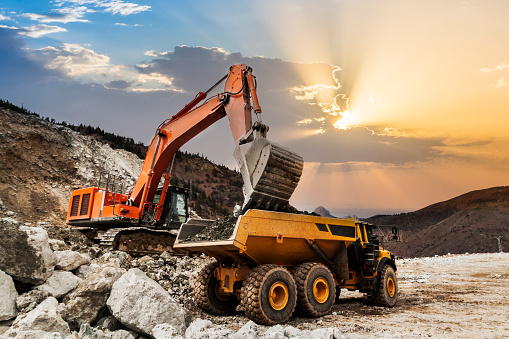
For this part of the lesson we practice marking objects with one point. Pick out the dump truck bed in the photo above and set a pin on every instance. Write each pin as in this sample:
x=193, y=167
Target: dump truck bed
x=263, y=237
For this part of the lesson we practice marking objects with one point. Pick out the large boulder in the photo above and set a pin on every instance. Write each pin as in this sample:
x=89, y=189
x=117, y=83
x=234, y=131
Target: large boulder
x=43, y=318
x=8, y=297
x=140, y=304
x=70, y=260
x=25, y=253
x=85, y=303
x=60, y=283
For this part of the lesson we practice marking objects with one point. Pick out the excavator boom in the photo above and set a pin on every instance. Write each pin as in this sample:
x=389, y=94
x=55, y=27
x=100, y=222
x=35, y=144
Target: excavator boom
x=270, y=172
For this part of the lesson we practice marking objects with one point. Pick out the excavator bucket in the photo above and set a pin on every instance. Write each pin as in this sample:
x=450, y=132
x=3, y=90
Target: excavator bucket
x=270, y=173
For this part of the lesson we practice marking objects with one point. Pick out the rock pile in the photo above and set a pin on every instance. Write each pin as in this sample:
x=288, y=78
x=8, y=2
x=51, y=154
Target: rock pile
x=220, y=229
x=51, y=288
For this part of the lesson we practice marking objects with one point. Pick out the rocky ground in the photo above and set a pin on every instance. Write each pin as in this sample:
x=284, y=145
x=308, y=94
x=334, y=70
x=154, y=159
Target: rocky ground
x=62, y=287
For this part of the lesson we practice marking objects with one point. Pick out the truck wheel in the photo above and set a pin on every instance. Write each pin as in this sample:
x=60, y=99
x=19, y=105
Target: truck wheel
x=316, y=289
x=387, y=293
x=208, y=294
x=269, y=295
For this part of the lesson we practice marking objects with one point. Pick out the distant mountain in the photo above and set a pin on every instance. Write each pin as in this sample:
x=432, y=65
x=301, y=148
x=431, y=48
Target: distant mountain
x=323, y=212
x=475, y=222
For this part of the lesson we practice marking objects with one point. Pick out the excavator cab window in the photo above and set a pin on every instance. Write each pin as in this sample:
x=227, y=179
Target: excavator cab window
x=179, y=208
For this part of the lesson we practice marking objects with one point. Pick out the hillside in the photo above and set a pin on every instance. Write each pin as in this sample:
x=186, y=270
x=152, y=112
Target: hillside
x=471, y=223
x=42, y=162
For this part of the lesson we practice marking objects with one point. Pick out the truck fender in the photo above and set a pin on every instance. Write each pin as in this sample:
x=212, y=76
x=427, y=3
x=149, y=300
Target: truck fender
x=384, y=261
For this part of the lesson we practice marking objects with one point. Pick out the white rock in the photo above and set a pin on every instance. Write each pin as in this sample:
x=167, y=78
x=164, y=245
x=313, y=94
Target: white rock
x=83, y=305
x=200, y=328
x=70, y=260
x=25, y=253
x=58, y=245
x=275, y=332
x=8, y=297
x=36, y=334
x=140, y=304
x=165, y=331
x=60, y=283
x=326, y=333
x=44, y=318
x=85, y=270
x=88, y=332
x=292, y=332
x=33, y=297
x=250, y=330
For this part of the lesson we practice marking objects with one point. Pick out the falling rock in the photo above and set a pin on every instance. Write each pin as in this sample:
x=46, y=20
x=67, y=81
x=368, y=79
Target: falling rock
x=70, y=260
x=250, y=330
x=44, y=318
x=60, y=283
x=25, y=253
x=8, y=297
x=165, y=331
x=200, y=328
x=85, y=303
x=140, y=304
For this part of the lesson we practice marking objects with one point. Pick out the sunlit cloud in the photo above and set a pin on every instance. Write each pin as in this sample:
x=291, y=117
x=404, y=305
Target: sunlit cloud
x=4, y=18
x=501, y=82
x=326, y=97
x=497, y=68
x=37, y=31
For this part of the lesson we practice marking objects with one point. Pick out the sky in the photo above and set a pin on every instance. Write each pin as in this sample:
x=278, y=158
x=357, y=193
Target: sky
x=394, y=105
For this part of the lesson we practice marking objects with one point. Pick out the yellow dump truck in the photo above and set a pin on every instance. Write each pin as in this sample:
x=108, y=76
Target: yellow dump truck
x=276, y=263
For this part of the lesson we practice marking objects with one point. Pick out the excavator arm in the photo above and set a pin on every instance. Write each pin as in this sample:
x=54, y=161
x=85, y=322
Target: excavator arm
x=270, y=172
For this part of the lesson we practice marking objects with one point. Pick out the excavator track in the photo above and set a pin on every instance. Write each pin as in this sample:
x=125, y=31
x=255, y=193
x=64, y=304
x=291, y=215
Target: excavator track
x=139, y=240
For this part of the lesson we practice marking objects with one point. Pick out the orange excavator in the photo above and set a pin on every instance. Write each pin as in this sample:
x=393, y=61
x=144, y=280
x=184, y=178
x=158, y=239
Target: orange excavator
x=146, y=219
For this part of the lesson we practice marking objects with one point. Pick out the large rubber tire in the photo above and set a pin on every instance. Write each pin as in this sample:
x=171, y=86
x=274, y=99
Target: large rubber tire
x=387, y=294
x=207, y=294
x=269, y=295
x=316, y=289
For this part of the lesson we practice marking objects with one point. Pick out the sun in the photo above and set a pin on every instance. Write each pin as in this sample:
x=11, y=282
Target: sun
x=346, y=121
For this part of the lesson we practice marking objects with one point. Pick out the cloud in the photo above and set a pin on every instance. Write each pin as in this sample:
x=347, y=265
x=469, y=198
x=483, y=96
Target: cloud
x=75, y=60
x=114, y=7
x=126, y=25
x=63, y=15
x=118, y=84
x=4, y=18
x=8, y=27
x=496, y=68
x=124, y=8
x=501, y=82
x=37, y=31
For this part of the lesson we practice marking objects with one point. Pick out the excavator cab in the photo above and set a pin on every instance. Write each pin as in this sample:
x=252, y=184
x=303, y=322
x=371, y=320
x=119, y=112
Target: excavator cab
x=175, y=211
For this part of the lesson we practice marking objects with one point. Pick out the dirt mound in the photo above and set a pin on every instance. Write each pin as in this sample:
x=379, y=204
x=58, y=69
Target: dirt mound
x=475, y=222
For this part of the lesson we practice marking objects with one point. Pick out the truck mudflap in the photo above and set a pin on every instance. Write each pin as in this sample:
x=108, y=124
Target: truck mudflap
x=270, y=172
